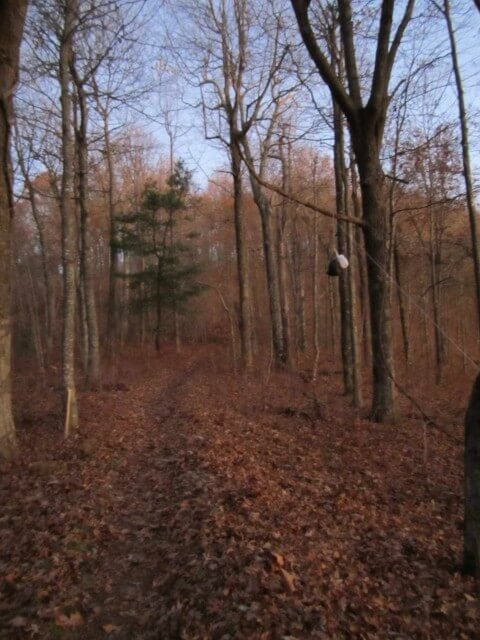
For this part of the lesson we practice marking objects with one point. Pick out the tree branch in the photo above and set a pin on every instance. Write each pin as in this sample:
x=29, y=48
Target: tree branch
x=328, y=75
x=293, y=198
x=346, y=29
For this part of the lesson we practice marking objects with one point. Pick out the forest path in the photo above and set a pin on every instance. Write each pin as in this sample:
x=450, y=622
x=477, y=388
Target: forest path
x=203, y=506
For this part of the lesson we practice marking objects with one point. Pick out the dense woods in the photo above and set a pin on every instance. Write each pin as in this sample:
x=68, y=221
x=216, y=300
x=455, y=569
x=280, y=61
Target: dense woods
x=245, y=233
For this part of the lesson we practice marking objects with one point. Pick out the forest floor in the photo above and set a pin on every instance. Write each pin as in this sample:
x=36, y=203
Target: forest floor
x=199, y=505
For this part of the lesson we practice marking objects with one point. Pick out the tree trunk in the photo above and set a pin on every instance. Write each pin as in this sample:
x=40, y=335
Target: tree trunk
x=331, y=318
x=271, y=267
x=401, y=301
x=112, y=308
x=82, y=322
x=344, y=290
x=12, y=18
x=282, y=226
x=123, y=315
x=158, y=305
x=376, y=234
x=35, y=321
x=245, y=316
x=86, y=280
x=298, y=285
x=271, y=270
x=67, y=209
x=316, y=299
x=353, y=291
x=471, y=540
x=434, y=260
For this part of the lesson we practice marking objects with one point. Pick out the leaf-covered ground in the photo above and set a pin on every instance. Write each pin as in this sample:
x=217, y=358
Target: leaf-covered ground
x=197, y=505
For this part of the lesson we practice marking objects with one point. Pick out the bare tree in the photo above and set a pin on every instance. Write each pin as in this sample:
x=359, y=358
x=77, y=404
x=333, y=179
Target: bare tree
x=223, y=78
x=366, y=120
x=241, y=89
x=85, y=272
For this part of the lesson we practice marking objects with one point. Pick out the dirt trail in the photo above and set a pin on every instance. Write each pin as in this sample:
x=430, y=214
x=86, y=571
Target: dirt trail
x=207, y=507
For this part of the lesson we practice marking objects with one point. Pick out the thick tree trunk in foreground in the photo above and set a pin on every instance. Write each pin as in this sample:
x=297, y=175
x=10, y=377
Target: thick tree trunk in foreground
x=376, y=234
x=12, y=18
x=471, y=541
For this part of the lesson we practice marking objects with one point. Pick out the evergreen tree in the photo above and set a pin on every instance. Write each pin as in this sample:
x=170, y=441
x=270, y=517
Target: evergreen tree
x=164, y=279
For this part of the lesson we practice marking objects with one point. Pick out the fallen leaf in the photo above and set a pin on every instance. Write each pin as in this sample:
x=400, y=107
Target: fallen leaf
x=289, y=580
x=69, y=621
x=18, y=621
x=111, y=628
x=276, y=557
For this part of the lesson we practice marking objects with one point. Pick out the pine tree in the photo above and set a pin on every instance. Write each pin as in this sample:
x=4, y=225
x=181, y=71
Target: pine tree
x=165, y=279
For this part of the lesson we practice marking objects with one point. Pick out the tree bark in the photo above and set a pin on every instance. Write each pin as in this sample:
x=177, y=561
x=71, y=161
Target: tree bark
x=435, y=276
x=346, y=332
x=471, y=540
x=245, y=317
x=316, y=299
x=298, y=285
x=12, y=19
x=67, y=209
x=401, y=301
x=158, y=304
x=282, y=226
x=359, y=243
x=112, y=304
x=271, y=263
x=86, y=279
x=353, y=290
x=376, y=234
